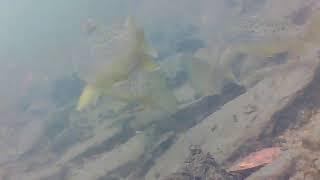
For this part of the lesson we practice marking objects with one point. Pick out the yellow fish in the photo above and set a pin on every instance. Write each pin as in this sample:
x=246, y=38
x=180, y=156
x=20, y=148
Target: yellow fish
x=132, y=55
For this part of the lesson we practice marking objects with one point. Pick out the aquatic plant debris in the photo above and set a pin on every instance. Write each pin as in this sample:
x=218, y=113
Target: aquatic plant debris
x=256, y=159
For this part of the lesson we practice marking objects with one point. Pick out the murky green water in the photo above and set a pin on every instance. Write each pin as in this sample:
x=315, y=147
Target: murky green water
x=103, y=89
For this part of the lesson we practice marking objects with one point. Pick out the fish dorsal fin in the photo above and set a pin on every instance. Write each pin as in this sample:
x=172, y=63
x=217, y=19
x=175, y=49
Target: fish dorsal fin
x=130, y=22
x=139, y=44
x=132, y=27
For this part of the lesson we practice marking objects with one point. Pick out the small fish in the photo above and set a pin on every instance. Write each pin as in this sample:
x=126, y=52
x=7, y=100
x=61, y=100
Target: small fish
x=274, y=28
x=255, y=27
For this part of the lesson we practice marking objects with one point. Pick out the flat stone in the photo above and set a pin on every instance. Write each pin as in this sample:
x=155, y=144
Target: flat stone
x=269, y=96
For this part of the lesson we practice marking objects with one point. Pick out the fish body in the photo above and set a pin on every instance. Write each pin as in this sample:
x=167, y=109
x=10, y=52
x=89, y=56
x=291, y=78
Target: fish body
x=121, y=76
x=129, y=55
x=149, y=89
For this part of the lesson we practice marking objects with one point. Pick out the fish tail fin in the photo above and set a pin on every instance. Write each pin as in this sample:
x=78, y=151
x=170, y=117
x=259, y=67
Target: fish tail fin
x=88, y=96
x=149, y=64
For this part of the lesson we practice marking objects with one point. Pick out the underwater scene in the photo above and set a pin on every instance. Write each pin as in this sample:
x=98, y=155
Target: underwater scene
x=160, y=90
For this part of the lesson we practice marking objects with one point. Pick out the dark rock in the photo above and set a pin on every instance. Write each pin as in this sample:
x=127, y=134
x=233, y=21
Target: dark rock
x=202, y=166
